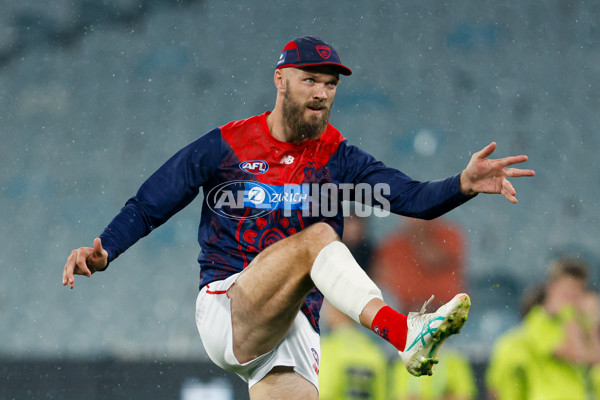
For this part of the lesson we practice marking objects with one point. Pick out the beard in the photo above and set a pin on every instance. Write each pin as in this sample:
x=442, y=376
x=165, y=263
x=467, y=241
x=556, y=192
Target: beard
x=301, y=128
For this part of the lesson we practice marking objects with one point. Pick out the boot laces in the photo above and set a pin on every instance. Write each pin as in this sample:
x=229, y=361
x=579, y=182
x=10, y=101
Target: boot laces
x=424, y=307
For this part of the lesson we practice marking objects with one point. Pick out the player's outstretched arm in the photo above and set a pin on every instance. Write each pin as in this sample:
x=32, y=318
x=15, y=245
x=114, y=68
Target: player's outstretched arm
x=483, y=175
x=84, y=261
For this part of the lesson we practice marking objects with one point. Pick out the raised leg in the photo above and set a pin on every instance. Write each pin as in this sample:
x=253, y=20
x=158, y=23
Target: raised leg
x=269, y=293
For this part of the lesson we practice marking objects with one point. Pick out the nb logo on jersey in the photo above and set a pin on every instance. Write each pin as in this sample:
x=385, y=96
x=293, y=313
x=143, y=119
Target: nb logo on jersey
x=255, y=167
x=287, y=160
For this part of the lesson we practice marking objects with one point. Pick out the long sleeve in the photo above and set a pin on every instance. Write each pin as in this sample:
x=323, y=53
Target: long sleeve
x=168, y=190
x=406, y=196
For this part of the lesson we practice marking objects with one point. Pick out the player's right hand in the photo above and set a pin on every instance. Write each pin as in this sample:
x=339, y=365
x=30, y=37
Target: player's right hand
x=85, y=261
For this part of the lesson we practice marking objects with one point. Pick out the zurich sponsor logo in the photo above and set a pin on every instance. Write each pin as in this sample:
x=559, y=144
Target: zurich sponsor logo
x=229, y=199
x=257, y=195
x=255, y=167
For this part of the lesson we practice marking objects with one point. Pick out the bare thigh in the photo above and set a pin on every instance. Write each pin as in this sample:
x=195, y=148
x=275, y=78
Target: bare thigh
x=268, y=295
x=283, y=383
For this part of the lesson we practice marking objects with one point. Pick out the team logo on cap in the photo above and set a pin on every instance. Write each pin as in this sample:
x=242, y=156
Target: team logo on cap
x=324, y=51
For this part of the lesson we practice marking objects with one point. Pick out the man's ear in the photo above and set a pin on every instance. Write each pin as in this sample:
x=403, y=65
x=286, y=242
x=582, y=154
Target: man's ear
x=279, y=80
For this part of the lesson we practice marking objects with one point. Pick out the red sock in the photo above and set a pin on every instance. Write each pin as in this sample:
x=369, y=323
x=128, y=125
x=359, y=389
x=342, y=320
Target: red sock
x=391, y=325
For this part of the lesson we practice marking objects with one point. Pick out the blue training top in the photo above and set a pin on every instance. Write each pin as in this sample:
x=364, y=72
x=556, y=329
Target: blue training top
x=259, y=190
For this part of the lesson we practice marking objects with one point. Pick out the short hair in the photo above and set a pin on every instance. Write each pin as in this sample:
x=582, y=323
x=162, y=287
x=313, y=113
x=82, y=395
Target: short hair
x=568, y=267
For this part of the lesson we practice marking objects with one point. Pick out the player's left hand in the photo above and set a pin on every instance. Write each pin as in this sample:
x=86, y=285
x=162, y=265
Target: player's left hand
x=483, y=175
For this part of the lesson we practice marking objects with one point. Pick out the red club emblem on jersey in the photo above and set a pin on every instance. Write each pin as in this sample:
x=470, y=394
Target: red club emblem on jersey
x=324, y=51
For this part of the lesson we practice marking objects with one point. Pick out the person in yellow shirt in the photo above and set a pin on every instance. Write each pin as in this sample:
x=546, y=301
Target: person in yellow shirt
x=595, y=380
x=547, y=357
x=591, y=308
x=505, y=375
x=353, y=366
x=554, y=371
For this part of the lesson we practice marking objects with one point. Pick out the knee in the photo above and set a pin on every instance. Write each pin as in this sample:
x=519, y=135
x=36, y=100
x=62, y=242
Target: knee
x=317, y=236
x=322, y=233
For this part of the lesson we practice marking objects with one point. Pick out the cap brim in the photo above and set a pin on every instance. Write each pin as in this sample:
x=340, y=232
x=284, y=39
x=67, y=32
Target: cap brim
x=341, y=68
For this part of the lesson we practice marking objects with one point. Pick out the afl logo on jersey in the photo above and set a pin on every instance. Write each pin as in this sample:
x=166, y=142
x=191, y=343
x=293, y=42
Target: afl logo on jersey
x=255, y=167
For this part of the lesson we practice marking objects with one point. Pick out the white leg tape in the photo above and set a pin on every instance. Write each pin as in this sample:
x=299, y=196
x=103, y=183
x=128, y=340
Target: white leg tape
x=344, y=284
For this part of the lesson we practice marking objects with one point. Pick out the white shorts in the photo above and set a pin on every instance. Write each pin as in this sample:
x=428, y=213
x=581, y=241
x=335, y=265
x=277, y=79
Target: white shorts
x=300, y=348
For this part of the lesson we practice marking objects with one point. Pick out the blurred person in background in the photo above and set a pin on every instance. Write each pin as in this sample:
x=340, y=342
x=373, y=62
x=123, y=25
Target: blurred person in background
x=551, y=354
x=358, y=240
x=432, y=253
x=510, y=356
x=353, y=365
x=592, y=324
x=453, y=380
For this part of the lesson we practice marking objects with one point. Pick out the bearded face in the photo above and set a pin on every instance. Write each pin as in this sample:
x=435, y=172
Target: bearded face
x=305, y=120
